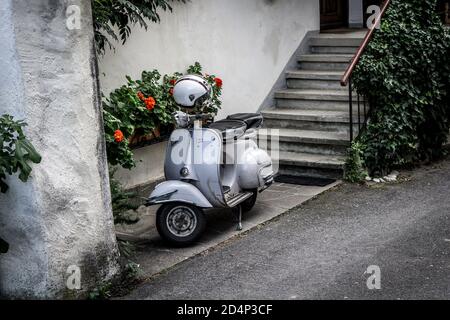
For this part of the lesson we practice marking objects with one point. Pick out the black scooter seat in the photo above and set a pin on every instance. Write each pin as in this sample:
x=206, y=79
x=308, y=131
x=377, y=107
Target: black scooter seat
x=230, y=129
x=237, y=124
x=252, y=120
x=226, y=124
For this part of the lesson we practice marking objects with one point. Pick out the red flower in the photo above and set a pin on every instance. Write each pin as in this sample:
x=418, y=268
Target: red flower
x=219, y=82
x=171, y=91
x=150, y=103
x=141, y=96
x=172, y=82
x=118, y=136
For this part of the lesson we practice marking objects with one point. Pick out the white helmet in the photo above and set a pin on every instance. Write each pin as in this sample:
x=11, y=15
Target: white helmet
x=191, y=91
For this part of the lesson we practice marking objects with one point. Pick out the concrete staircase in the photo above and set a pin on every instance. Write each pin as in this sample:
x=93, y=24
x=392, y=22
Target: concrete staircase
x=312, y=114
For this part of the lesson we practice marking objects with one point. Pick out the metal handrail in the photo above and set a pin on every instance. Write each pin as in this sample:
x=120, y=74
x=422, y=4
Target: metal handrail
x=346, y=79
x=348, y=73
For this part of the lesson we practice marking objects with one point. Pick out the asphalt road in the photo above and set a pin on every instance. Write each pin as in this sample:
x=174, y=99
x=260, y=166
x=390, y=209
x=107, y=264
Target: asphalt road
x=322, y=249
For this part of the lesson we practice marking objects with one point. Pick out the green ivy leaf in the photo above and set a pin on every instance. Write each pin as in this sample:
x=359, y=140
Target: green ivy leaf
x=404, y=73
x=16, y=151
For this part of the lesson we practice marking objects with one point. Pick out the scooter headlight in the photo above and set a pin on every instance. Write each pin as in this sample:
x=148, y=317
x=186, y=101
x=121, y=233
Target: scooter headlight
x=184, y=172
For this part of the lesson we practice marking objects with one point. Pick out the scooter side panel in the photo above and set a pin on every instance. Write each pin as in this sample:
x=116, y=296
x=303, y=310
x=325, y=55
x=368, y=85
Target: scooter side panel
x=200, y=152
x=178, y=154
x=207, y=157
x=178, y=191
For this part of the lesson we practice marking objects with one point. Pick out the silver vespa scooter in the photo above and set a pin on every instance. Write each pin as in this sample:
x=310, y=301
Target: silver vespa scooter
x=219, y=166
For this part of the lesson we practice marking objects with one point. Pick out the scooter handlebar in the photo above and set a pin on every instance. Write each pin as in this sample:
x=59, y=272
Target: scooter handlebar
x=201, y=116
x=183, y=120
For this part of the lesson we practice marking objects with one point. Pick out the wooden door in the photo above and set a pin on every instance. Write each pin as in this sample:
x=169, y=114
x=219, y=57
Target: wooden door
x=333, y=13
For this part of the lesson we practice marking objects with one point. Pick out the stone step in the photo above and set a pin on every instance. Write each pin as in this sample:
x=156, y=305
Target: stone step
x=312, y=160
x=328, y=62
x=314, y=94
x=316, y=120
x=336, y=43
x=315, y=75
x=326, y=57
x=315, y=99
x=312, y=105
x=311, y=165
x=337, y=40
x=333, y=50
x=313, y=79
x=306, y=141
x=311, y=121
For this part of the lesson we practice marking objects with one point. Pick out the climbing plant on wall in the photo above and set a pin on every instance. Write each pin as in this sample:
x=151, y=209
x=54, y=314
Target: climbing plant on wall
x=16, y=154
x=114, y=18
x=405, y=74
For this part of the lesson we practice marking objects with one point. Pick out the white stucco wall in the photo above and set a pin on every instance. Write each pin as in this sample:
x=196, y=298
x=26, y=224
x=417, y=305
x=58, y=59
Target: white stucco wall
x=246, y=43
x=149, y=166
x=62, y=216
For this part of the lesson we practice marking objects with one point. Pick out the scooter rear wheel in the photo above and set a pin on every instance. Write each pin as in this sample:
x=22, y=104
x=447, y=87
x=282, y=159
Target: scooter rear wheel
x=180, y=224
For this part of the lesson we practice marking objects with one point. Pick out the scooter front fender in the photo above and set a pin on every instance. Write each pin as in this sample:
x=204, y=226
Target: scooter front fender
x=178, y=191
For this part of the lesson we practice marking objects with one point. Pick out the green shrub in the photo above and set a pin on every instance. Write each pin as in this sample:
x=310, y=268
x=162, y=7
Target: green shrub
x=16, y=151
x=405, y=74
x=121, y=200
x=16, y=154
x=142, y=106
x=113, y=18
x=120, y=286
x=354, y=165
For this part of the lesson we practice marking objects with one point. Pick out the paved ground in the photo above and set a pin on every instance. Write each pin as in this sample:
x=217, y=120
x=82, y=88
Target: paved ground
x=155, y=256
x=322, y=249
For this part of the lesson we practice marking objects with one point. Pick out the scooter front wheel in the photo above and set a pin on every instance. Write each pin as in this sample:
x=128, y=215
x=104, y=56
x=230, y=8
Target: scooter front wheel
x=180, y=224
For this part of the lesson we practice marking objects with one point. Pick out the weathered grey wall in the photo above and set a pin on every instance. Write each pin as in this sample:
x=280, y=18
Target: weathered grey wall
x=62, y=216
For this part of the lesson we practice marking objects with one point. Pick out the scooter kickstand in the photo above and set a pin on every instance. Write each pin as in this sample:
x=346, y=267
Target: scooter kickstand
x=238, y=210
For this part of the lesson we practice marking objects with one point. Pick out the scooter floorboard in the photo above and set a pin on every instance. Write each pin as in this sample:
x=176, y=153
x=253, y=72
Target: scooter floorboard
x=234, y=200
